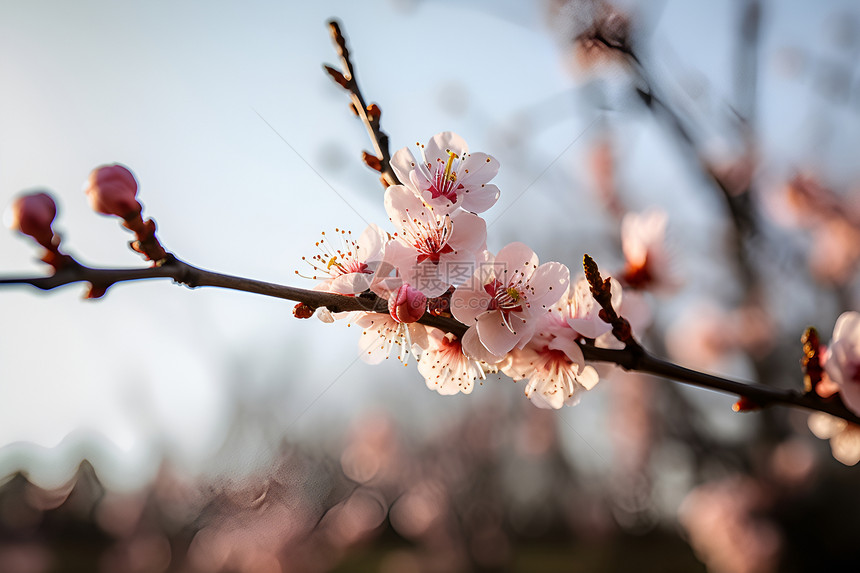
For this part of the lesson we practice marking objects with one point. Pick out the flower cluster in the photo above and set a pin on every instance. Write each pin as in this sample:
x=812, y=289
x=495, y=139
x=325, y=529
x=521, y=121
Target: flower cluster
x=523, y=318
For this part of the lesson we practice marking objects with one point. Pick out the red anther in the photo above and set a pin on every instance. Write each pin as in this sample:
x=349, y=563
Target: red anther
x=112, y=190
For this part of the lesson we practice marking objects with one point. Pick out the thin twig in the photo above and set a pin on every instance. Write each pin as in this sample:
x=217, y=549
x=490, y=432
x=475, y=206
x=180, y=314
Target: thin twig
x=369, y=115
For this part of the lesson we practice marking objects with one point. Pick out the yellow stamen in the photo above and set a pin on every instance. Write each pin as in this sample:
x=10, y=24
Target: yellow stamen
x=332, y=262
x=513, y=293
x=449, y=175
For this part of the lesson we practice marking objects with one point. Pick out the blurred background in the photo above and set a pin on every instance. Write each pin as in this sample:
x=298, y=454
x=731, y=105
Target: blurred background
x=160, y=429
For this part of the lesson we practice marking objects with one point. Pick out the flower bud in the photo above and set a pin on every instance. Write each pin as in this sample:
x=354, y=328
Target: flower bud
x=406, y=304
x=32, y=215
x=112, y=190
x=302, y=310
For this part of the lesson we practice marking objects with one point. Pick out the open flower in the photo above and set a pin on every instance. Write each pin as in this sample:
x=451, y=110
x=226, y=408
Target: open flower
x=554, y=366
x=444, y=366
x=503, y=299
x=842, y=360
x=578, y=309
x=448, y=176
x=431, y=249
x=348, y=268
x=381, y=333
x=552, y=361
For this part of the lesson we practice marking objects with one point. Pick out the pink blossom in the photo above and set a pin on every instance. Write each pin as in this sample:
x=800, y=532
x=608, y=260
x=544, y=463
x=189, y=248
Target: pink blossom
x=552, y=361
x=504, y=298
x=444, y=366
x=380, y=333
x=431, y=245
x=448, y=176
x=554, y=366
x=348, y=268
x=842, y=360
x=580, y=311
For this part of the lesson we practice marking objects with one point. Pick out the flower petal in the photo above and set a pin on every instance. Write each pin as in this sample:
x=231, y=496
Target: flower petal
x=495, y=335
x=479, y=199
x=439, y=145
x=549, y=283
x=515, y=259
x=403, y=163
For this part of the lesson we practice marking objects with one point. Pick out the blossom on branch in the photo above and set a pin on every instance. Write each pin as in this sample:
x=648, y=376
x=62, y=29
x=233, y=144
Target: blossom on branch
x=429, y=243
x=448, y=176
x=347, y=269
x=504, y=298
x=446, y=369
x=552, y=361
x=380, y=333
x=554, y=366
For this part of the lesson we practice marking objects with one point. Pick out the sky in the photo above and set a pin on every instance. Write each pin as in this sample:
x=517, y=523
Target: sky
x=245, y=151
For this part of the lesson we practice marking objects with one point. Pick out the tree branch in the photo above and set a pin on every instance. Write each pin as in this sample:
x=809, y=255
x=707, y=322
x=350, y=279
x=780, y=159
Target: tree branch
x=369, y=115
x=633, y=357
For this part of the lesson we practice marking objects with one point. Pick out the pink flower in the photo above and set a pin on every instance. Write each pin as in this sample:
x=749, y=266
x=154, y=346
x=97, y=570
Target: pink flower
x=448, y=176
x=380, y=333
x=431, y=248
x=554, y=366
x=504, y=298
x=842, y=360
x=112, y=190
x=444, y=366
x=348, y=268
x=579, y=311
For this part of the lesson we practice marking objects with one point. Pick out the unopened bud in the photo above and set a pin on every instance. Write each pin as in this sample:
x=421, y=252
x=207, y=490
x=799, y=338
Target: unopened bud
x=112, y=190
x=407, y=304
x=302, y=310
x=32, y=215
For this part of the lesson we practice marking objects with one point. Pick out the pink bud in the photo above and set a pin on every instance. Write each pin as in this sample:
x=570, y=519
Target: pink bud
x=32, y=215
x=406, y=304
x=112, y=190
